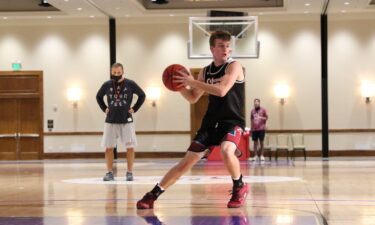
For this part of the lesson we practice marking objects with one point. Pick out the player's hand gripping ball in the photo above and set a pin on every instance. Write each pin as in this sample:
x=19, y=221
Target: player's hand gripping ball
x=168, y=75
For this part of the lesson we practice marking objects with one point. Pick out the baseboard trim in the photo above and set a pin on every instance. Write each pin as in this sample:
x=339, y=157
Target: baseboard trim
x=98, y=133
x=98, y=155
x=185, y=132
x=332, y=153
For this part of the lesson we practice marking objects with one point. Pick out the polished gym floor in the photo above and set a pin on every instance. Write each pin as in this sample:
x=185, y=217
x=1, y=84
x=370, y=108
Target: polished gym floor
x=53, y=192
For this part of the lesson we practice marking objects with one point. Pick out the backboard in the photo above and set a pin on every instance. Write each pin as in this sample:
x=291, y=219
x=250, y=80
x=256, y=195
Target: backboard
x=244, y=31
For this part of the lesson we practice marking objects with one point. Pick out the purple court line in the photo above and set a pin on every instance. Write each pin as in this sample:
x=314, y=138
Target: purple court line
x=154, y=220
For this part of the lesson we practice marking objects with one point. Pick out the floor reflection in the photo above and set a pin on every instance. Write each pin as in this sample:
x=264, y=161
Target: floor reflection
x=148, y=217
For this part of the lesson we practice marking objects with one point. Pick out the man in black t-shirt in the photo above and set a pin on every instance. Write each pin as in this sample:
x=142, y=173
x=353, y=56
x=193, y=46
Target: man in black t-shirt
x=222, y=124
x=119, y=121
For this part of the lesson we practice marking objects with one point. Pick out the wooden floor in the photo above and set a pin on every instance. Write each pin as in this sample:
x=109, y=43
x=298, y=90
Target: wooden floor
x=315, y=192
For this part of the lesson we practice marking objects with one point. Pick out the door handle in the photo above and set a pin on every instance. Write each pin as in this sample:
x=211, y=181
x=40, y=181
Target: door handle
x=8, y=135
x=27, y=135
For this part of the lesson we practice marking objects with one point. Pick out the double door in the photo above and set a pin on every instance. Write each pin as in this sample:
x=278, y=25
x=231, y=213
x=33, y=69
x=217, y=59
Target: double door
x=21, y=121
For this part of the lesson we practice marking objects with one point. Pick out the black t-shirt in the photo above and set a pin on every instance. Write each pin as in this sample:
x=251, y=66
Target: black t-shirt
x=228, y=109
x=119, y=100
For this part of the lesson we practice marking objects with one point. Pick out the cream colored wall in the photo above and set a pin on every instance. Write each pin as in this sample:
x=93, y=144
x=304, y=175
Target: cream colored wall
x=290, y=53
x=351, y=61
x=69, y=55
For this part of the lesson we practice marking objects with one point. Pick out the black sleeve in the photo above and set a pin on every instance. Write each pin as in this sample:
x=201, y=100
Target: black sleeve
x=141, y=96
x=99, y=97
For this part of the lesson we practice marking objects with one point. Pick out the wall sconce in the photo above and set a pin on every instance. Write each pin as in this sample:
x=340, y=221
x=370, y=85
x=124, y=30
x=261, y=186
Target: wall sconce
x=282, y=92
x=153, y=94
x=74, y=95
x=367, y=91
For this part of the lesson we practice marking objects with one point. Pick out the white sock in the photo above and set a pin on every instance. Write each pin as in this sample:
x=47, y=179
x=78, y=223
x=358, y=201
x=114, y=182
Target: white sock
x=236, y=178
x=161, y=188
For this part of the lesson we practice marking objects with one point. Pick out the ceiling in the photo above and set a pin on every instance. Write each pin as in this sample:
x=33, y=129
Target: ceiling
x=207, y=4
x=24, y=6
x=19, y=9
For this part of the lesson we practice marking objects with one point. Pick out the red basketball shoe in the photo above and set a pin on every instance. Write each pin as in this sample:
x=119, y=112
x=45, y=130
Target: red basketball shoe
x=239, y=195
x=147, y=202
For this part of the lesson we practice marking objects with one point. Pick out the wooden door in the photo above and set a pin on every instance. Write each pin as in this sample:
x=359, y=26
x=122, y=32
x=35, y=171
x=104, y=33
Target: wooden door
x=197, y=112
x=198, y=109
x=8, y=129
x=21, y=115
x=29, y=146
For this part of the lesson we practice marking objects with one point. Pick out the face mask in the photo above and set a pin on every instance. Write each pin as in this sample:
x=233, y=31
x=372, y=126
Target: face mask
x=116, y=78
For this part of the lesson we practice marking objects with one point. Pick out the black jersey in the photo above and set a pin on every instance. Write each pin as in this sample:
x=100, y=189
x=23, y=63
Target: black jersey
x=119, y=99
x=229, y=109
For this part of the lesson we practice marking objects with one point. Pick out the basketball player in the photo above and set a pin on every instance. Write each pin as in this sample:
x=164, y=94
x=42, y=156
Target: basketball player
x=119, y=120
x=222, y=124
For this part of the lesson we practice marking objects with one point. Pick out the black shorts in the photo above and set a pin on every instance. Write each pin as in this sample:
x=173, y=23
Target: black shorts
x=214, y=135
x=258, y=135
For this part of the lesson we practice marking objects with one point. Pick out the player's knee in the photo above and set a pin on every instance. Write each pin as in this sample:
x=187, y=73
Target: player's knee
x=227, y=152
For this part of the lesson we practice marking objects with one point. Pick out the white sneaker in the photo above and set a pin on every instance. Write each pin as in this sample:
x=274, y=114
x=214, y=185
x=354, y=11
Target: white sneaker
x=262, y=158
x=255, y=158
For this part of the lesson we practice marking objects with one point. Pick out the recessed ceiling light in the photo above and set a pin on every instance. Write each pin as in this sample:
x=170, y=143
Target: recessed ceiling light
x=306, y=12
x=307, y=4
x=5, y=17
x=66, y=0
x=260, y=13
x=343, y=11
x=49, y=17
x=92, y=16
x=171, y=15
x=346, y=3
x=79, y=9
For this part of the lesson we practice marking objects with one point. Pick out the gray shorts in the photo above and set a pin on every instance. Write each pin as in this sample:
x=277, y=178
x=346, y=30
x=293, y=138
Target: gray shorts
x=124, y=133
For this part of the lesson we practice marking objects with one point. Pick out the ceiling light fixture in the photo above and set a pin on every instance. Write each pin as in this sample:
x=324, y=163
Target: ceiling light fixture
x=159, y=1
x=307, y=4
x=44, y=3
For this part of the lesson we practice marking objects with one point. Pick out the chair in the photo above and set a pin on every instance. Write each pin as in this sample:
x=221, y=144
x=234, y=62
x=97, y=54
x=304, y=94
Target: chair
x=298, y=144
x=267, y=147
x=282, y=144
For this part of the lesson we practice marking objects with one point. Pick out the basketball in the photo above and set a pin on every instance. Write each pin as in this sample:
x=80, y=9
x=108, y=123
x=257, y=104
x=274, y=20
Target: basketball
x=168, y=74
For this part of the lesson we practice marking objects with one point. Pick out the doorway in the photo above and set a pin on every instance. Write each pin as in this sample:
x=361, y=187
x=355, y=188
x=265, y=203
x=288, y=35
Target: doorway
x=21, y=115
